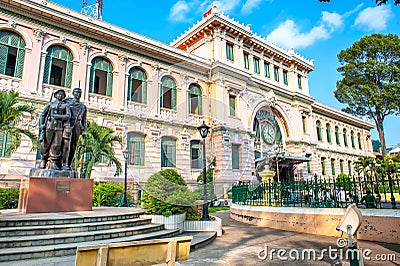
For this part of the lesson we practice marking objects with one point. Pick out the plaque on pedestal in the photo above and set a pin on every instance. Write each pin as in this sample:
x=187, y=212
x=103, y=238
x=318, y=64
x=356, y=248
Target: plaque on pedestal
x=48, y=190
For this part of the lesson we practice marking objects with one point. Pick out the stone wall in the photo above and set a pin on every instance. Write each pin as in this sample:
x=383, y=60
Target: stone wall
x=378, y=225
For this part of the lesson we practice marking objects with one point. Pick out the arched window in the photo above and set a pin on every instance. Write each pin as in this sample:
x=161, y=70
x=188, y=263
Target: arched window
x=349, y=166
x=323, y=166
x=5, y=143
x=319, y=131
x=195, y=99
x=101, y=77
x=359, y=141
x=137, y=86
x=136, y=148
x=337, y=135
x=328, y=133
x=341, y=166
x=168, y=152
x=195, y=154
x=58, y=66
x=168, y=93
x=12, y=54
x=345, y=138
x=353, y=142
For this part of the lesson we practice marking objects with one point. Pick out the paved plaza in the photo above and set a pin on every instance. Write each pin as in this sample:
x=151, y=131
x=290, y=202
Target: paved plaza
x=243, y=244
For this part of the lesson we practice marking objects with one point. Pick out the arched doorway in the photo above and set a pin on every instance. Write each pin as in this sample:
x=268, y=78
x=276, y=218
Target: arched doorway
x=268, y=143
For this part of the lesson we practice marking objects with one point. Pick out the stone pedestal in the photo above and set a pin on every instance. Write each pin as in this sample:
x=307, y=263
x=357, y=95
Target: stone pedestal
x=46, y=194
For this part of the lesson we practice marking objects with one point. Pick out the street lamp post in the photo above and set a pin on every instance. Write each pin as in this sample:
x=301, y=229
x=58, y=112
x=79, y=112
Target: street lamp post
x=204, y=129
x=125, y=152
x=278, y=151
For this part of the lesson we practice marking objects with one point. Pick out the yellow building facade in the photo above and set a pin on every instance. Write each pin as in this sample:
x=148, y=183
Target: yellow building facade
x=156, y=95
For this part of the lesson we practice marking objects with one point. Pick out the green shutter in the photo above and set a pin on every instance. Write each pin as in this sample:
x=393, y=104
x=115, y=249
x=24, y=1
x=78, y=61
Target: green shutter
x=235, y=156
x=3, y=58
x=129, y=90
x=46, y=73
x=5, y=143
x=168, y=152
x=109, y=84
x=92, y=78
x=20, y=61
x=68, y=75
x=2, y=144
x=266, y=70
x=144, y=92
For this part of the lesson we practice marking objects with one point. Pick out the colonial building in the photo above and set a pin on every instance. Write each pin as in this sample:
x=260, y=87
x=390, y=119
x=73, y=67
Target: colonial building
x=253, y=94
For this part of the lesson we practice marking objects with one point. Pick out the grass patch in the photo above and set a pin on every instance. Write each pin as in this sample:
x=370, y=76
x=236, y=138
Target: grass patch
x=212, y=209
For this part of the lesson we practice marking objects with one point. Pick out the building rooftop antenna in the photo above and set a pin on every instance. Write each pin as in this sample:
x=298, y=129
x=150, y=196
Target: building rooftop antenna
x=93, y=8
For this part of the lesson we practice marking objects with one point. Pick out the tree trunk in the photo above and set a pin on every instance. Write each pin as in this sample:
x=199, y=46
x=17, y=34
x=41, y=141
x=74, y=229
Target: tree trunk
x=379, y=127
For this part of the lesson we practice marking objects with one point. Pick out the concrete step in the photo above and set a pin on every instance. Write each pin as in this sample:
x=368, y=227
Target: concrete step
x=48, y=251
x=16, y=220
x=70, y=227
x=52, y=239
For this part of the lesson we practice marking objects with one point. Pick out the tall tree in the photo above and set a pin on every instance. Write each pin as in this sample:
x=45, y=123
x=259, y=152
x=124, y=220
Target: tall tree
x=97, y=146
x=371, y=79
x=378, y=2
x=11, y=113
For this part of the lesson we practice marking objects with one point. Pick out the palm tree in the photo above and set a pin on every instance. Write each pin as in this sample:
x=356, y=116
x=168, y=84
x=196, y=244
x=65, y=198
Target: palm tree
x=11, y=114
x=365, y=165
x=95, y=147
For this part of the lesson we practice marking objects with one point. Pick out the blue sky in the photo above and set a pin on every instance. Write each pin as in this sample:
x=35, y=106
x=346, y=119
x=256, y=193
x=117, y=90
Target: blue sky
x=317, y=31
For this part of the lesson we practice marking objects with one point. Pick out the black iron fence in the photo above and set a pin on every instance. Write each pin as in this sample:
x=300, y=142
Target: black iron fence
x=367, y=192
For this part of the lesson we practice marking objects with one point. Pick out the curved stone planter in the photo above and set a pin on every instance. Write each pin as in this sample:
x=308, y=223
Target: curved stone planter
x=207, y=226
x=175, y=221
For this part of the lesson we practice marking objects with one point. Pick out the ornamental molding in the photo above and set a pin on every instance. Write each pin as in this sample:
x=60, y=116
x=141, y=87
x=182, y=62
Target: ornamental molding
x=123, y=59
x=270, y=98
x=63, y=39
x=85, y=48
x=250, y=98
x=12, y=24
x=154, y=134
x=29, y=121
x=39, y=34
x=184, y=138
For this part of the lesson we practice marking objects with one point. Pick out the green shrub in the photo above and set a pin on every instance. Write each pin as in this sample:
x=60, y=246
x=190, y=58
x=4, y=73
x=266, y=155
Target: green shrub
x=344, y=181
x=6, y=195
x=193, y=215
x=166, y=193
x=108, y=194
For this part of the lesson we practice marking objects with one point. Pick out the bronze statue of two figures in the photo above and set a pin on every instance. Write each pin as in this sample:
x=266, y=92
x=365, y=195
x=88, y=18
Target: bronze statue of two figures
x=60, y=125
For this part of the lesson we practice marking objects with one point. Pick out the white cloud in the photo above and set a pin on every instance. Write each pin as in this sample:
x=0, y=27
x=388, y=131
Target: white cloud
x=374, y=18
x=185, y=11
x=354, y=10
x=249, y=5
x=288, y=35
x=179, y=11
x=333, y=20
x=226, y=5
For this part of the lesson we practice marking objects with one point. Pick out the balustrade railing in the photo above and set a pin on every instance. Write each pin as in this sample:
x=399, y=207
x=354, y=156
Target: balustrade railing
x=48, y=89
x=99, y=99
x=380, y=192
x=137, y=108
x=168, y=113
x=9, y=83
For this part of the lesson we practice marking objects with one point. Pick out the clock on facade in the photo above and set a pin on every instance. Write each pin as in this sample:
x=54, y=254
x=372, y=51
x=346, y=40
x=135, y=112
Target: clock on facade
x=268, y=133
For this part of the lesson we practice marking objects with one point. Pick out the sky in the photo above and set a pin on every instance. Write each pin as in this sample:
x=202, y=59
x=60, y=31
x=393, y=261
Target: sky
x=316, y=31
